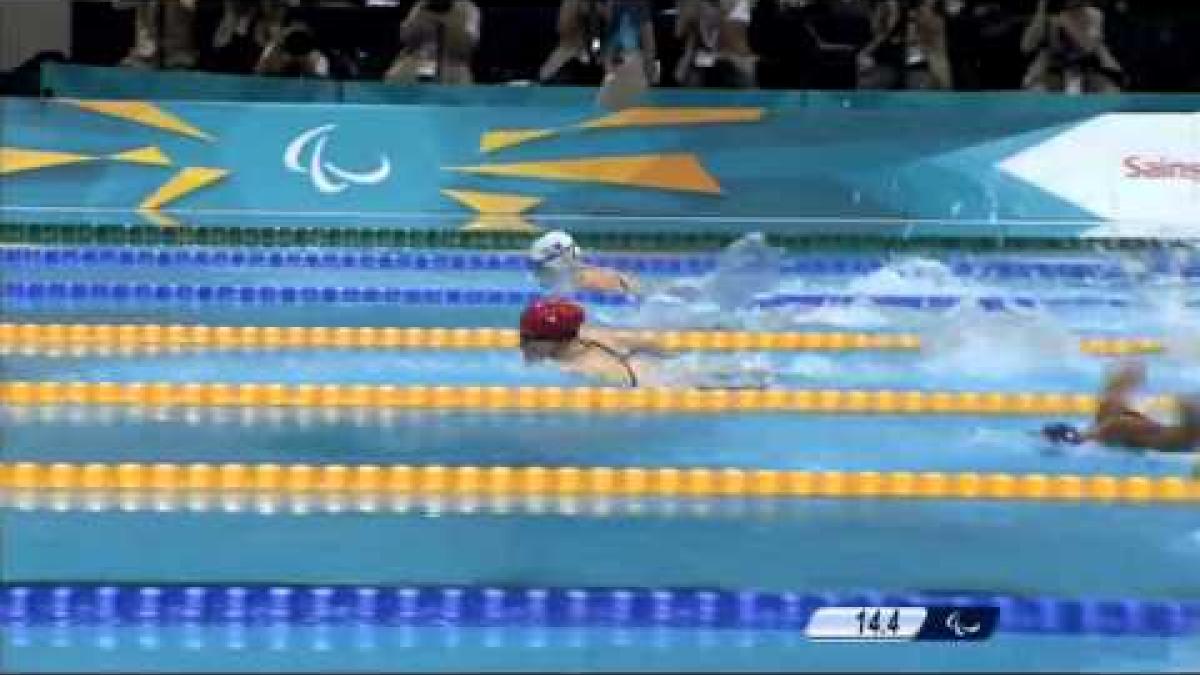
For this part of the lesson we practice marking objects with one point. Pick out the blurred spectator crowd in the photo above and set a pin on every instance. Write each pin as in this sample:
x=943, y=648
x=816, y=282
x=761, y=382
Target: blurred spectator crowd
x=1071, y=46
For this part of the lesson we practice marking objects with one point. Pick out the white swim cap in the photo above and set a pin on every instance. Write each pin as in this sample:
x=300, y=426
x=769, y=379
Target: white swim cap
x=553, y=248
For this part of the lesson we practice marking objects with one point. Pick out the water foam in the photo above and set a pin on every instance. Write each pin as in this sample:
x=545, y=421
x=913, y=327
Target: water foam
x=724, y=298
x=1001, y=346
x=914, y=275
x=1001, y=349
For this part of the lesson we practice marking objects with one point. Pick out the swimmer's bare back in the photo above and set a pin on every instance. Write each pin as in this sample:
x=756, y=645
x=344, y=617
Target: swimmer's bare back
x=637, y=361
x=1119, y=424
x=601, y=355
x=636, y=373
x=1129, y=428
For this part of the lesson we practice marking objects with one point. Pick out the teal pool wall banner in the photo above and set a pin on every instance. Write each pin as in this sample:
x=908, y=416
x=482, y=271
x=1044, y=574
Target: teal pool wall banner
x=718, y=163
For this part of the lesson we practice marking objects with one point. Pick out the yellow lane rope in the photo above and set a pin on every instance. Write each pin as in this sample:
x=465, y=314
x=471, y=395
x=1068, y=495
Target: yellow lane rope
x=152, y=338
x=594, y=482
x=195, y=394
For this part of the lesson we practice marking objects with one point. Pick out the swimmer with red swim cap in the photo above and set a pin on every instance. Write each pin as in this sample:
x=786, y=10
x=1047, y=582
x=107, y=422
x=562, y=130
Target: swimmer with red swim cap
x=552, y=329
x=1118, y=424
x=559, y=268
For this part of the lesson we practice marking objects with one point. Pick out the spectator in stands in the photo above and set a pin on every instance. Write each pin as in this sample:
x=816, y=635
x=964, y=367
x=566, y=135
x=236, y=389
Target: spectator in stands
x=630, y=54
x=983, y=40
x=716, y=44
x=162, y=33
x=579, y=57
x=929, y=52
x=881, y=62
x=908, y=48
x=294, y=53
x=610, y=32
x=808, y=44
x=1070, y=53
x=963, y=26
x=246, y=28
x=439, y=38
x=631, y=37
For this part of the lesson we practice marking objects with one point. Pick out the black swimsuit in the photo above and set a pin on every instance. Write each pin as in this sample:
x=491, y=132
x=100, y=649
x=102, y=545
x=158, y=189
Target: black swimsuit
x=1122, y=412
x=623, y=358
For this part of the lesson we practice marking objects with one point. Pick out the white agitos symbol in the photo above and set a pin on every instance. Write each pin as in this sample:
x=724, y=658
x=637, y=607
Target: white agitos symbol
x=954, y=623
x=327, y=177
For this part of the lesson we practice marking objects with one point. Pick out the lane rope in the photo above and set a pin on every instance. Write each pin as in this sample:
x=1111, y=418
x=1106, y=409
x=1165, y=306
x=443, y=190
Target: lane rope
x=133, y=336
x=125, y=292
x=265, y=418
x=662, y=264
x=158, y=337
x=370, y=486
x=562, y=607
x=597, y=399
x=661, y=240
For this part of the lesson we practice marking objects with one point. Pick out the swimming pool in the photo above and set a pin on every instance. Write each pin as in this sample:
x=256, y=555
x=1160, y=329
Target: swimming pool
x=845, y=499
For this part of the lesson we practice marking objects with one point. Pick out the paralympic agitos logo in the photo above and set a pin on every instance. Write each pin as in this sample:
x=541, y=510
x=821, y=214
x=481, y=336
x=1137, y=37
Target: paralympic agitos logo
x=327, y=177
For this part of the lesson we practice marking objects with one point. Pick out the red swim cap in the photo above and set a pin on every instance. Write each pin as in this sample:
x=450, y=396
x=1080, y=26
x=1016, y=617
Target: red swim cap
x=551, y=319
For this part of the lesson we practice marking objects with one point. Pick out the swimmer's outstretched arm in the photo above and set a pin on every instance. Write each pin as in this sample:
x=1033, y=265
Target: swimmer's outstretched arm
x=1121, y=383
x=606, y=279
x=1113, y=425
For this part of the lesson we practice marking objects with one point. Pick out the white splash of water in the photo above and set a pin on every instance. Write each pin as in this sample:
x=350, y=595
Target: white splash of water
x=1165, y=297
x=1001, y=345
x=715, y=370
x=913, y=275
x=744, y=271
x=859, y=315
x=1016, y=345
x=907, y=275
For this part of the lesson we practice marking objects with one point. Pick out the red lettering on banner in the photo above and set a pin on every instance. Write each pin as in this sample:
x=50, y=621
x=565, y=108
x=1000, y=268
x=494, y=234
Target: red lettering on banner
x=1161, y=168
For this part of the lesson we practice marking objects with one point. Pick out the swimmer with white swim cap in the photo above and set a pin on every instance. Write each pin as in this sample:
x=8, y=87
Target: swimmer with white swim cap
x=1119, y=424
x=558, y=267
x=552, y=330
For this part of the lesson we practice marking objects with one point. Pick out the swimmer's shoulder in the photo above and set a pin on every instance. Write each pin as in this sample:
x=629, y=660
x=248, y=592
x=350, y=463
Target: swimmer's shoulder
x=628, y=344
x=604, y=279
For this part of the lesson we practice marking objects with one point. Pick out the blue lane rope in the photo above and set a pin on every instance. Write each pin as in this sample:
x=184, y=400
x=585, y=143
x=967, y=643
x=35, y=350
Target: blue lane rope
x=663, y=265
x=476, y=606
x=274, y=295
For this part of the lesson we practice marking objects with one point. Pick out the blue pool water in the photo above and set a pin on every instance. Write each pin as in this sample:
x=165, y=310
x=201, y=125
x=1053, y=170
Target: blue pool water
x=1062, y=550
x=481, y=650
